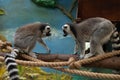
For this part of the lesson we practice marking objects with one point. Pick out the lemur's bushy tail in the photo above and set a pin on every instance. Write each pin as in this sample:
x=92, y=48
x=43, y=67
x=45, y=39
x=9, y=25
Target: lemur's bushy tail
x=12, y=65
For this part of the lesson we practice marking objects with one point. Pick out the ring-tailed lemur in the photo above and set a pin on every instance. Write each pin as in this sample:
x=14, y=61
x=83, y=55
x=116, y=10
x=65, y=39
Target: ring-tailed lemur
x=12, y=65
x=96, y=30
x=115, y=39
x=26, y=37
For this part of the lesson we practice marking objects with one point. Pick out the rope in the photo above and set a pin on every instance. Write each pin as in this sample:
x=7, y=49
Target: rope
x=83, y=73
x=71, y=62
x=42, y=64
x=73, y=71
x=30, y=58
x=30, y=63
x=1, y=59
x=71, y=59
x=91, y=74
x=79, y=63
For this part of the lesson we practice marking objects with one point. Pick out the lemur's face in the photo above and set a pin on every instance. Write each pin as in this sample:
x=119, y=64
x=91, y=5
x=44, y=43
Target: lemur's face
x=46, y=30
x=66, y=29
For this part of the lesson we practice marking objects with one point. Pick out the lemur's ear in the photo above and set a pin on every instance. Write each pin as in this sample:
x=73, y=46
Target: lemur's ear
x=72, y=28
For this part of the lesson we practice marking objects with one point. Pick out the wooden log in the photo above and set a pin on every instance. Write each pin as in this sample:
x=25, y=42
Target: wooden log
x=109, y=63
x=60, y=57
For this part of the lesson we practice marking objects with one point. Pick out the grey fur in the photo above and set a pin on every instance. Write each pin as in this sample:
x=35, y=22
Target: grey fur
x=96, y=30
x=26, y=36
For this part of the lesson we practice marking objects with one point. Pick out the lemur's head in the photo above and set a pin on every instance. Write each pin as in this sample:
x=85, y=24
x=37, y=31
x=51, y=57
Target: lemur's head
x=45, y=29
x=68, y=28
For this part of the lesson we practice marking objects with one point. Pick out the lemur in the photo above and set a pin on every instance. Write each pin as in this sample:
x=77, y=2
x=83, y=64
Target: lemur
x=26, y=37
x=24, y=41
x=97, y=31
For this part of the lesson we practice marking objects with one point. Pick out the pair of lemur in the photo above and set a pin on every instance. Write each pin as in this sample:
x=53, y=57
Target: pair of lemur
x=97, y=31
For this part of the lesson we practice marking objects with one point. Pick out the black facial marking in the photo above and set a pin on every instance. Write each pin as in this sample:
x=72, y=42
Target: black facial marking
x=65, y=33
x=48, y=28
x=42, y=27
x=73, y=29
x=48, y=33
x=65, y=27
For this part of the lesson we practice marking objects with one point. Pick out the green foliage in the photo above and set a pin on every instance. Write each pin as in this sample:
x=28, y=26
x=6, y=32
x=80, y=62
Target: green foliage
x=2, y=12
x=33, y=73
x=3, y=72
x=45, y=3
x=36, y=73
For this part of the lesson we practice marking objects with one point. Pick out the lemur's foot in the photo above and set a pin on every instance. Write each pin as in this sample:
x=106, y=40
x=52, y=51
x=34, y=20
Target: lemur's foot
x=22, y=51
x=88, y=55
x=82, y=56
x=33, y=55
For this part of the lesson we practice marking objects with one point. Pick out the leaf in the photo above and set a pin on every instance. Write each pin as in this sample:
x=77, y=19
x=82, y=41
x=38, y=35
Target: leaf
x=3, y=72
x=45, y=3
x=36, y=73
x=2, y=12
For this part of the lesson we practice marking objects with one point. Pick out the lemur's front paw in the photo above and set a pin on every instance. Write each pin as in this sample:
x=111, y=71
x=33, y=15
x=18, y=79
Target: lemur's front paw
x=88, y=55
x=76, y=53
x=49, y=51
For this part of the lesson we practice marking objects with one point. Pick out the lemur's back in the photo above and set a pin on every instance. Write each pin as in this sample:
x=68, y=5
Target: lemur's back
x=87, y=27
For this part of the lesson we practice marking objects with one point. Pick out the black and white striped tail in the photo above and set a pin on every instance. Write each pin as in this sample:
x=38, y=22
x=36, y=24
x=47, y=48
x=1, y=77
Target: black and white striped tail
x=115, y=41
x=12, y=66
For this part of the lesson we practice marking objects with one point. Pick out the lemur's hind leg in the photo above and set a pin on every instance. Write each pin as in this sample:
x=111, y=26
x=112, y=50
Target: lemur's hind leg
x=30, y=51
x=95, y=47
x=98, y=38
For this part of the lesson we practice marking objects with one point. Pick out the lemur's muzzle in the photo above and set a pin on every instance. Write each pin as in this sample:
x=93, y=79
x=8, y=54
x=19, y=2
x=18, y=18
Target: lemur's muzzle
x=49, y=32
x=65, y=33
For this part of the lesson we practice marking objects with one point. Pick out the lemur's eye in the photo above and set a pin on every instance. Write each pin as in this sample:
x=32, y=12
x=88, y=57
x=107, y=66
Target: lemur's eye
x=48, y=28
x=65, y=27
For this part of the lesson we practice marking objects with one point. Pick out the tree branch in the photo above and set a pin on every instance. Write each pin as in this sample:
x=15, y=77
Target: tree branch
x=65, y=12
x=110, y=63
x=73, y=5
x=54, y=57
